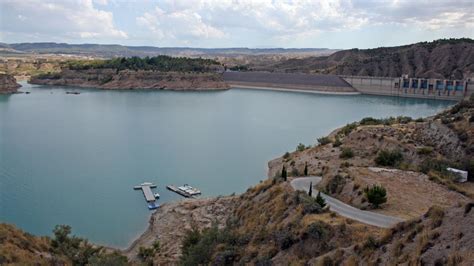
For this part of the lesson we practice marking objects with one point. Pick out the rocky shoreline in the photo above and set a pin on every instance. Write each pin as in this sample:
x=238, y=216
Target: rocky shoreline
x=8, y=84
x=111, y=79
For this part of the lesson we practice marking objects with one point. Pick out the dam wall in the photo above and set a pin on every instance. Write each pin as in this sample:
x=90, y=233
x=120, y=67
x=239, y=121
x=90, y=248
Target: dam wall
x=288, y=81
x=442, y=89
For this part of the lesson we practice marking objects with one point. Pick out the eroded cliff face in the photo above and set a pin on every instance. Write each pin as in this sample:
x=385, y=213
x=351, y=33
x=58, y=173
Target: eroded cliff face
x=8, y=84
x=129, y=79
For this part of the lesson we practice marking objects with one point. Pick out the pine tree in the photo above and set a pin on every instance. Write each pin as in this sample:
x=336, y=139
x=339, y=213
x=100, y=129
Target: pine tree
x=310, y=192
x=283, y=173
x=306, y=169
x=320, y=200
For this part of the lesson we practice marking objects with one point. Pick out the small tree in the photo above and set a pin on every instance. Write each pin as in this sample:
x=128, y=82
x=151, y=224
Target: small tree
x=320, y=200
x=310, y=192
x=283, y=173
x=306, y=169
x=376, y=195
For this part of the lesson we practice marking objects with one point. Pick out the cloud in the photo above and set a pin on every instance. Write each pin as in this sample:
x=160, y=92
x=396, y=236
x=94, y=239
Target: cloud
x=53, y=20
x=275, y=19
x=181, y=25
x=285, y=20
x=429, y=14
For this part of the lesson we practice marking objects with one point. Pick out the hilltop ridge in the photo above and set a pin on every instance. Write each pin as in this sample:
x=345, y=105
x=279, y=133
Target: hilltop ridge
x=445, y=58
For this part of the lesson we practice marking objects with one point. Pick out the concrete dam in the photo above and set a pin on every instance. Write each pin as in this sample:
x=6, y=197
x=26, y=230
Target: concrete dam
x=443, y=89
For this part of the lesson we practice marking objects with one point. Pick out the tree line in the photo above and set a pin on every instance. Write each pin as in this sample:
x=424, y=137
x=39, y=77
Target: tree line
x=157, y=63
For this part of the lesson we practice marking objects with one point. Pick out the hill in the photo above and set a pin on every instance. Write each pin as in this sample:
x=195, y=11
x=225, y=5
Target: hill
x=114, y=50
x=450, y=58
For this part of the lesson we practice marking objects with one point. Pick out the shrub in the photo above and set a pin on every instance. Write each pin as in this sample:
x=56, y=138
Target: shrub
x=145, y=254
x=324, y=141
x=286, y=155
x=436, y=165
x=346, y=153
x=284, y=239
x=389, y=158
x=404, y=119
x=309, y=203
x=198, y=247
x=335, y=184
x=317, y=231
x=110, y=259
x=376, y=195
x=337, y=142
x=371, y=243
x=370, y=121
x=347, y=129
x=424, y=150
x=300, y=147
x=79, y=251
x=306, y=169
x=320, y=200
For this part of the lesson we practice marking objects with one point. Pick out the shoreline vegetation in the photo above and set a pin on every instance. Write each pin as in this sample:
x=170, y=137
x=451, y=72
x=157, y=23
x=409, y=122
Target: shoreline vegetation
x=152, y=73
x=270, y=223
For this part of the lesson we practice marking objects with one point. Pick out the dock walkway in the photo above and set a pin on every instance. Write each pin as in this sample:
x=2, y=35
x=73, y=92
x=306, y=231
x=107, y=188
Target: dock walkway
x=146, y=188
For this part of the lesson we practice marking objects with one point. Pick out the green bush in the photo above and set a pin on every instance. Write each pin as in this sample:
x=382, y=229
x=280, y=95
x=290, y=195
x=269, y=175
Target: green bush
x=434, y=165
x=424, y=150
x=320, y=200
x=301, y=147
x=309, y=203
x=347, y=129
x=389, y=158
x=324, y=141
x=286, y=155
x=198, y=247
x=317, y=231
x=337, y=142
x=376, y=195
x=79, y=251
x=346, y=153
x=370, y=121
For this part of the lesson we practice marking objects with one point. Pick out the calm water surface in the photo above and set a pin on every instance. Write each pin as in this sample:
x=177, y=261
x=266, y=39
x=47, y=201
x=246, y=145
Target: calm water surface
x=73, y=159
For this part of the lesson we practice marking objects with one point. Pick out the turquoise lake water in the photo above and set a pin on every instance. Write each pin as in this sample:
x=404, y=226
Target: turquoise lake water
x=73, y=159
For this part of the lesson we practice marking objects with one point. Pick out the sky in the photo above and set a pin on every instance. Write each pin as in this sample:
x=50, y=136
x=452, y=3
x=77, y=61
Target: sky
x=337, y=24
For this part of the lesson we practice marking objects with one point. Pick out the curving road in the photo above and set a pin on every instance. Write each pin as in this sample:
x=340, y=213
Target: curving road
x=343, y=209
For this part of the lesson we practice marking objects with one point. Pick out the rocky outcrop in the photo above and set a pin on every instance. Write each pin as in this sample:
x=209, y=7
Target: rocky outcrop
x=8, y=84
x=170, y=223
x=128, y=79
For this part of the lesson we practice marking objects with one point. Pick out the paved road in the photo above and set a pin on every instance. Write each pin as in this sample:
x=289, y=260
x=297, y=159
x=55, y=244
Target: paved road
x=343, y=209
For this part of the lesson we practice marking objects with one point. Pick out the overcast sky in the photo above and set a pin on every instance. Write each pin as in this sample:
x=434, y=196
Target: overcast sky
x=236, y=23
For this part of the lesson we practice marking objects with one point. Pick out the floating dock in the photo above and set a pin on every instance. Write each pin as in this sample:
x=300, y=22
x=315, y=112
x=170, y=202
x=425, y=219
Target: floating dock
x=185, y=191
x=146, y=188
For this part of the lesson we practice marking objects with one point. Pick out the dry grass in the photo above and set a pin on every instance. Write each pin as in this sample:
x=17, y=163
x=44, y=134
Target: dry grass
x=410, y=194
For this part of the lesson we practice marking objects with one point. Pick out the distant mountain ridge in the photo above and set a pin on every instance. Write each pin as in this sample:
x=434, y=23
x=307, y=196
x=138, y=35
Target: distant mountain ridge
x=115, y=50
x=445, y=58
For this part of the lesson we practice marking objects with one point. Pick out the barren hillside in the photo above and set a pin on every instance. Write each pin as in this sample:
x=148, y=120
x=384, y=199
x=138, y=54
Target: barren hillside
x=453, y=58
